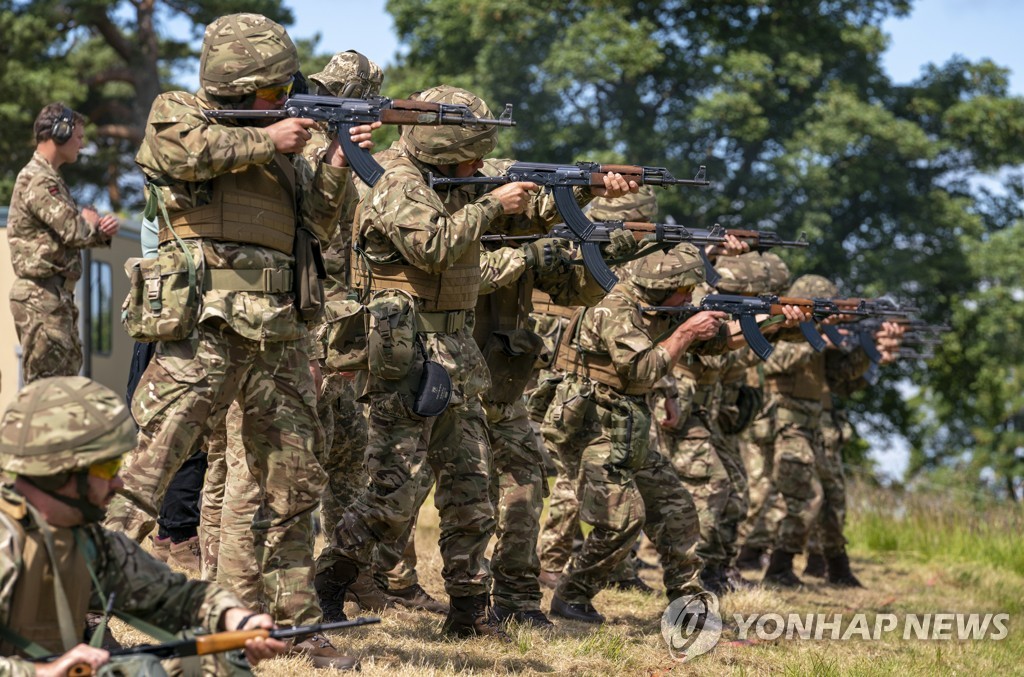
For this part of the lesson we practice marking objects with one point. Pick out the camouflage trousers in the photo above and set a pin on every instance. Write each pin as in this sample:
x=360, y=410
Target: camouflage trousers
x=188, y=387
x=618, y=504
x=46, y=318
x=454, y=445
x=766, y=508
x=833, y=508
x=806, y=482
x=517, y=491
x=713, y=473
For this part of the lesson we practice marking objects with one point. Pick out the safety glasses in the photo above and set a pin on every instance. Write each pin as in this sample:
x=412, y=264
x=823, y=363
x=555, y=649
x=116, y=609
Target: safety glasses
x=275, y=93
x=106, y=470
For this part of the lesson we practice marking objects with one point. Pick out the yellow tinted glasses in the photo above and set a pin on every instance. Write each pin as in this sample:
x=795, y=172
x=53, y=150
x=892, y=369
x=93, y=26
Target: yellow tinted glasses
x=684, y=290
x=106, y=470
x=275, y=93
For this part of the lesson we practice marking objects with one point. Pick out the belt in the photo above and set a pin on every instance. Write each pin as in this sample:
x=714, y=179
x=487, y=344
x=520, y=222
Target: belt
x=441, y=323
x=783, y=415
x=265, y=280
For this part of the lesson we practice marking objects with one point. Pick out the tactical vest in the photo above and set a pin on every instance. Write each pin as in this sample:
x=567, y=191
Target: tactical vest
x=597, y=367
x=505, y=309
x=253, y=206
x=691, y=367
x=543, y=305
x=456, y=288
x=807, y=384
x=33, y=610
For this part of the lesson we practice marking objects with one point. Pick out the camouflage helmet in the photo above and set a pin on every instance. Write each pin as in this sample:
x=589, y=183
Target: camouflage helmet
x=778, y=272
x=63, y=424
x=743, y=274
x=680, y=266
x=813, y=286
x=245, y=52
x=447, y=145
x=349, y=75
x=641, y=206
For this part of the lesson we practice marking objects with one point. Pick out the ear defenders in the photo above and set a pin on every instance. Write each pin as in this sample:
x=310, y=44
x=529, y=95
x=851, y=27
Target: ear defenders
x=63, y=126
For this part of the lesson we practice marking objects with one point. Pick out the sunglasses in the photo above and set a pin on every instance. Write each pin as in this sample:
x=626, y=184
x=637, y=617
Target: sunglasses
x=688, y=289
x=275, y=93
x=106, y=470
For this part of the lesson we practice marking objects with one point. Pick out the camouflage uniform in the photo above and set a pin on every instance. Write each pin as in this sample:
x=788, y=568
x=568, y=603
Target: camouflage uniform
x=72, y=423
x=46, y=232
x=599, y=432
x=426, y=243
x=247, y=345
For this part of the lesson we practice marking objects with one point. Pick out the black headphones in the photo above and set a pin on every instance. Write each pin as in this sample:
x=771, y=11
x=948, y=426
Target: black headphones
x=63, y=126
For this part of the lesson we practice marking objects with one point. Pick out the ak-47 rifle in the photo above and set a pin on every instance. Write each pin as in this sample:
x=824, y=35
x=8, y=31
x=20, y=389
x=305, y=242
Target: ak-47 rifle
x=560, y=180
x=341, y=114
x=217, y=642
x=875, y=312
x=746, y=308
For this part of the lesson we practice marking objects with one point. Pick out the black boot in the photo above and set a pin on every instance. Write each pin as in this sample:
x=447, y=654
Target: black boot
x=734, y=580
x=839, y=572
x=749, y=559
x=713, y=580
x=468, y=616
x=584, y=613
x=331, y=585
x=815, y=565
x=780, y=570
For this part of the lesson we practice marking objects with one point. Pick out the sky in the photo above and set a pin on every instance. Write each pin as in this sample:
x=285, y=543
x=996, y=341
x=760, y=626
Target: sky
x=935, y=31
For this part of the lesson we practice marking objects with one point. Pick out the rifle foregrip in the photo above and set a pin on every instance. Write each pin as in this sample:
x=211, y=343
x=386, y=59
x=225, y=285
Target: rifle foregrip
x=393, y=116
x=227, y=641
x=622, y=169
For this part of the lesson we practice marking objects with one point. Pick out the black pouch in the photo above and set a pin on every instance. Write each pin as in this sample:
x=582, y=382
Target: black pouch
x=310, y=273
x=510, y=356
x=748, y=406
x=434, y=392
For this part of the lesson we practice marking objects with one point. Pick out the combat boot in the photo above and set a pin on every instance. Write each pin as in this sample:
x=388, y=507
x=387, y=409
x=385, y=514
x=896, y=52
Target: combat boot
x=161, y=547
x=365, y=592
x=416, y=598
x=186, y=555
x=635, y=584
x=331, y=585
x=750, y=559
x=780, y=570
x=532, y=617
x=839, y=572
x=584, y=613
x=713, y=580
x=815, y=565
x=469, y=616
x=323, y=654
x=734, y=580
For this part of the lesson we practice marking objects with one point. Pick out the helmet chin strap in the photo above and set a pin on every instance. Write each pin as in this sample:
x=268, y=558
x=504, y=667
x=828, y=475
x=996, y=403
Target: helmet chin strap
x=90, y=511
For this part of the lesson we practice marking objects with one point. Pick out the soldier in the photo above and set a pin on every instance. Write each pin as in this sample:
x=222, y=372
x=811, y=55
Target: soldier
x=422, y=253
x=63, y=440
x=230, y=197
x=47, y=232
x=598, y=427
x=795, y=377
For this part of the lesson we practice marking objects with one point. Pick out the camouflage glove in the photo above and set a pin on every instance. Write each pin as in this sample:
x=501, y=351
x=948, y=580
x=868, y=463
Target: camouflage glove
x=544, y=255
x=621, y=244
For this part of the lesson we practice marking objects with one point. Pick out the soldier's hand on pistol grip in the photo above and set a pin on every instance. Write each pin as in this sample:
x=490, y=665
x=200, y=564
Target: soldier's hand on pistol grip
x=544, y=255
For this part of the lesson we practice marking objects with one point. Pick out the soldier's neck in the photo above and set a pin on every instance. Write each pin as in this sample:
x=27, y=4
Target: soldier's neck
x=51, y=152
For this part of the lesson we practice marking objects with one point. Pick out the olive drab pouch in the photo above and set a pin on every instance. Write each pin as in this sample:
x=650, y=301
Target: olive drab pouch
x=163, y=301
x=344, y=324
x=390, y=334
x=510, y=356
x=310, y=273
x=628, y=424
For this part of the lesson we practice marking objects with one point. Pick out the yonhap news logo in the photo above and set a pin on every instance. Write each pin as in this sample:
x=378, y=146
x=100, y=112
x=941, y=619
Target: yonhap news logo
x=691, y=625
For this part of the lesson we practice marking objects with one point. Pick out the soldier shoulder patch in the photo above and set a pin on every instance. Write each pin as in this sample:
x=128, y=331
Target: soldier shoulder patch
x=54, y=190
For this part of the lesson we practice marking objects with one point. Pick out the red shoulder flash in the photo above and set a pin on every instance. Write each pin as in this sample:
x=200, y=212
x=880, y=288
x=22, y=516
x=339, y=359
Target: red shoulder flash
x=54, y=190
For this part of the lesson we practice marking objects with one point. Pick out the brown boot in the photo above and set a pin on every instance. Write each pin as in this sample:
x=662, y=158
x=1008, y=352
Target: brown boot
x=365, y=592
x=780, y=570
x=469, y=616
x=839, y=572
x=331, y=585
x=161, y=547
x=416, y=598
x=815, y=565
x=323, y=654
x=186, y=555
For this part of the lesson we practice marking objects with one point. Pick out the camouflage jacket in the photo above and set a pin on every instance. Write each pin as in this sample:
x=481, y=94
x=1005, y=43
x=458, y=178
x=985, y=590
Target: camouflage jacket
x=142, y=586
x=618, y=328
x=182, y=152
x=45, y=227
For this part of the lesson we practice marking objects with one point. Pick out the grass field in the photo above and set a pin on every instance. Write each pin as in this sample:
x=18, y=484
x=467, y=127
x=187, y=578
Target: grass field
x=915, y=555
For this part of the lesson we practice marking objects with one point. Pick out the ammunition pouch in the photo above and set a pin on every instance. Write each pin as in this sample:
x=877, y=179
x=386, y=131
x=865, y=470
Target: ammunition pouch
x=628, y=424
x=390, y=334
x=344, y=335
x=510, y=356
x=163, y=302
x=434, y=392
x=310, y=273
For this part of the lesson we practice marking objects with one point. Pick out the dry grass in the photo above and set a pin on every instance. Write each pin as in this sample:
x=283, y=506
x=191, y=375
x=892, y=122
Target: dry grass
x=408, y=643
